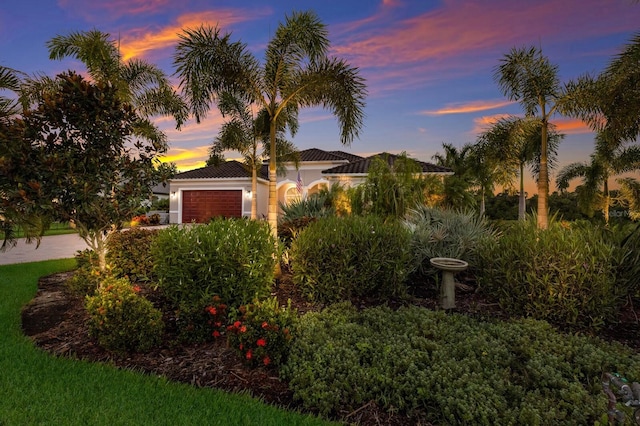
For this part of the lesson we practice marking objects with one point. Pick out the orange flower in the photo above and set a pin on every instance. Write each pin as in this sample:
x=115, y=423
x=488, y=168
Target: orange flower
x=265, y=325
x=212, y=310
x=136, y=288
x=243, y=329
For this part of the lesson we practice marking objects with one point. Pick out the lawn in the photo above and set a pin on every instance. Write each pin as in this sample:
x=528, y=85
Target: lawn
x=36, y=388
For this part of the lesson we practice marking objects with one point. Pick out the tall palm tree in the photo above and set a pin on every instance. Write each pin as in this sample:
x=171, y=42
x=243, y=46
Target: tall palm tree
x=244, y=132
x=609, y=158
x=297, y=72
x=526, y=76
x=139, y=83
x=514, y=142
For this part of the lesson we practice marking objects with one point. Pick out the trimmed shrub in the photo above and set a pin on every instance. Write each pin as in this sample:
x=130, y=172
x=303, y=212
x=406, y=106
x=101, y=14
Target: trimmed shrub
x=231, y=258
x=87, y=276
x=129, y=254
x=262, y=332
x=122, y=320
x=342, y=257
x=444, y=233
x=564, y=275
x=449, y=367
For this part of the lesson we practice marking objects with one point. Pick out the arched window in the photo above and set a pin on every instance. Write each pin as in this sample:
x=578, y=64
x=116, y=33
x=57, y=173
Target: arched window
x=292, y=195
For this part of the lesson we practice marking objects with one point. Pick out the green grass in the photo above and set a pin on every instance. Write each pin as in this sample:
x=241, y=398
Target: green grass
x=55, y=229
x=37, y=388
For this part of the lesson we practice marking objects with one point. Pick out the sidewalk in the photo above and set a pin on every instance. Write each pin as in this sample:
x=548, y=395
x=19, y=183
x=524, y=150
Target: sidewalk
x=51, y=247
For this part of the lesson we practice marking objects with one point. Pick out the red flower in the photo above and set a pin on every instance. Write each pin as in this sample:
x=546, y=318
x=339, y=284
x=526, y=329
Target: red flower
x=249, y=354
x=136, y=288
x=216, y=334
x=266, y=360
x=217, y=324
x=265, y=325
x=241, y=346
x=243, y=329
x=237, y=324
x=212, y=310
x=261, y=342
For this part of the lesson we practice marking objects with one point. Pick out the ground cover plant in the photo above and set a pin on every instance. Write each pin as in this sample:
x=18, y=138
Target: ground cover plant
x=36, y=388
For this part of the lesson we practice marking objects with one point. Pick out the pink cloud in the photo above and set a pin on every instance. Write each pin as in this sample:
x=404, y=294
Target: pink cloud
x=464, y=108
x=458, y=31
x=98, y=11
x=139, y=42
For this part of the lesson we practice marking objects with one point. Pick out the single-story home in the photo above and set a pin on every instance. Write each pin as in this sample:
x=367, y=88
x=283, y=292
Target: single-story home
x=225, y=190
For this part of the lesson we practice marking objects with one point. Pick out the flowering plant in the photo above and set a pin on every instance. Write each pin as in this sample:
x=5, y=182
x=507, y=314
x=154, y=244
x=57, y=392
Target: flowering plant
x=261, y=333
x=217, y=313
x=121, y=319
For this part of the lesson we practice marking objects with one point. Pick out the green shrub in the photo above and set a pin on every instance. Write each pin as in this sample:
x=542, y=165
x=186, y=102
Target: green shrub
x=444, y=233
x=452, y=368
x=122, y=320
x=234, y=259
x=129, y=254
x=339, y=258
x=563, y=275
x=87, y=276
x=262, y=332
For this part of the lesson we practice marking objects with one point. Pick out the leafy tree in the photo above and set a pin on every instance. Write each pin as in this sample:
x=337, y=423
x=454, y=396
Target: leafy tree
x=609, y=158
x=514, y=143
x=75, y=159
x=526, y=76
x=457, y=188
x=245, y=132
x=394, y=184
x=297, y=73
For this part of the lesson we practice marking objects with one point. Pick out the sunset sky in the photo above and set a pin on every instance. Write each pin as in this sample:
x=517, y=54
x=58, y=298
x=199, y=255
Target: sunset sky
x=429, y=65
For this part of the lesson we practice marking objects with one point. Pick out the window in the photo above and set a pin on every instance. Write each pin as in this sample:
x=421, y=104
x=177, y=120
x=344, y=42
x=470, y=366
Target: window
x=292, y=195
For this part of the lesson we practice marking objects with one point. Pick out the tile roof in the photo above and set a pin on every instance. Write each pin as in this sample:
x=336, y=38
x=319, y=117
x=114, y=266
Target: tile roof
x=226, y=170
x=361, y=167
x=347, y=155
x=315, y=154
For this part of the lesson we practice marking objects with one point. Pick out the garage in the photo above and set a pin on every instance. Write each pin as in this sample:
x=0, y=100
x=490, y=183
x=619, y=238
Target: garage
x=201, y=205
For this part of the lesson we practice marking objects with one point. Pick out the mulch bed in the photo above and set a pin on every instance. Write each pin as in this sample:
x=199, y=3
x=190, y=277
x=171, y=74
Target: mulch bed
x=57, y=322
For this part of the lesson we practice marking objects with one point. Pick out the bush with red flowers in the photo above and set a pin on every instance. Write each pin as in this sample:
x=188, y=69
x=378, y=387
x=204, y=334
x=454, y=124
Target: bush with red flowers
x=217, y=313
x=261, y=332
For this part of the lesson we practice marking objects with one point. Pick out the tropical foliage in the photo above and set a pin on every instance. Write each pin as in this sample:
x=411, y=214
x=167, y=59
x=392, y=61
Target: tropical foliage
x=297, y=72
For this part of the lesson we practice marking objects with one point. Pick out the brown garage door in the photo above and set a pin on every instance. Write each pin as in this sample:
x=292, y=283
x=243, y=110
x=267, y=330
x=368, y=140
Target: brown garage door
x=200, y=206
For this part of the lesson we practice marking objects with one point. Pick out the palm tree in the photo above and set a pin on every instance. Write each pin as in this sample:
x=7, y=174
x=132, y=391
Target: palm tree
x=297, y=73
x=514, y=142
x=456, y=187
x=526, y=76
x=609, y=158
x=487, y=171
x=139, y=83
x=10, y=79
x=244, y=132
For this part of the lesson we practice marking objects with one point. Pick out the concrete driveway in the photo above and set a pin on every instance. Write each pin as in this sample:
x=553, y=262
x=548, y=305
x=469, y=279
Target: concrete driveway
x=51, y=247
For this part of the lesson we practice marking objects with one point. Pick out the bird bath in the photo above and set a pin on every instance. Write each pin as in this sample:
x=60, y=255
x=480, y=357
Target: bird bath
x=449, y=267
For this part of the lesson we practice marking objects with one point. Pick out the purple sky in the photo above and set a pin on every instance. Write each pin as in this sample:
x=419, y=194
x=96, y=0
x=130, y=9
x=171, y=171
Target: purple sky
x=428, y=64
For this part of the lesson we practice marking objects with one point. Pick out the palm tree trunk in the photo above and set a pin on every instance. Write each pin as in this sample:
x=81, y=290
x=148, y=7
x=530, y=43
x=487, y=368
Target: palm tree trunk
x=273, y=195
x=522, y=201
x=254, y=191
x=482, y=204
x=543, y=177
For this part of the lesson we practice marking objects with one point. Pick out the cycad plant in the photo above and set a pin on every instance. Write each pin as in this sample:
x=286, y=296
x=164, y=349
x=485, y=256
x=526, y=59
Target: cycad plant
x=444, y=233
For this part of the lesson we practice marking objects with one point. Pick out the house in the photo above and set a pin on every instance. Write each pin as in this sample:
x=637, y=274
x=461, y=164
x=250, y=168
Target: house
x=225, y=190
